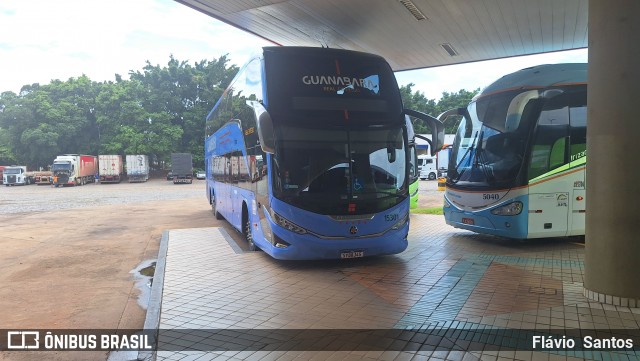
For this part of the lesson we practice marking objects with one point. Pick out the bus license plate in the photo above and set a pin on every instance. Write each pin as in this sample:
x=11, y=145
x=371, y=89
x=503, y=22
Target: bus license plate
x=352, y=254
x=468, y=221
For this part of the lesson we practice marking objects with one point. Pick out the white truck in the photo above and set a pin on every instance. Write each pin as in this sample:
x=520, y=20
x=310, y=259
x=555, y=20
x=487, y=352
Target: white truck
x=74, y=169
x=137, y=168
x=427, y=167
x=111, y=168
x=17, y=175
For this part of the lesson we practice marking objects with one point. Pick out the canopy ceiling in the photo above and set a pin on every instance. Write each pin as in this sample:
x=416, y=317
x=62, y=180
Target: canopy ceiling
x=412, y=34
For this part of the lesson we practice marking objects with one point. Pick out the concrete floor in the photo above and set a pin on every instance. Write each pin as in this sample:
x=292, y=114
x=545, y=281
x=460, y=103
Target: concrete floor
x=457, y=295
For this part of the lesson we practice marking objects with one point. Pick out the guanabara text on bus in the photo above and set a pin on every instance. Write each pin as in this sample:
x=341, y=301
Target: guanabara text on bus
x=308, y=151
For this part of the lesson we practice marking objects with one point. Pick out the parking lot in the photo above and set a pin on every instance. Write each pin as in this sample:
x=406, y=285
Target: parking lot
x=69, y=254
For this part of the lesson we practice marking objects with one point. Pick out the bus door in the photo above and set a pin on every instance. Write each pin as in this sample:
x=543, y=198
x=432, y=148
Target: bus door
x=549, y=188
x=578, y=161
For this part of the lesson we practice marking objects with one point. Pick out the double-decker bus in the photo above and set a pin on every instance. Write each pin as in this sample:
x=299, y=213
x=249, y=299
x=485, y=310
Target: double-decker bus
x=307, y=154
x=517, y=167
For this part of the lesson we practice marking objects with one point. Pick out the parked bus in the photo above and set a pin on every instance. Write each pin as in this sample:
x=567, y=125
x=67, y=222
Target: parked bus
x=307, y=154
x=517, y=167
x=414, y=172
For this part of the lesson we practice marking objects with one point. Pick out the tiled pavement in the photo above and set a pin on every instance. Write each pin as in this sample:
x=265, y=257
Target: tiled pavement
x=446, y=280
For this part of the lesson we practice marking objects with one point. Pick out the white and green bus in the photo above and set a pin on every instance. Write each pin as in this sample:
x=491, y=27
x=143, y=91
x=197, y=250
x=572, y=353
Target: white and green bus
x=517, y=167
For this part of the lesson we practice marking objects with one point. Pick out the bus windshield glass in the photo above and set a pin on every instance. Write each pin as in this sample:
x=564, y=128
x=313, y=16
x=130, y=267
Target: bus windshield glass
x=340, y=171
x=488, y=149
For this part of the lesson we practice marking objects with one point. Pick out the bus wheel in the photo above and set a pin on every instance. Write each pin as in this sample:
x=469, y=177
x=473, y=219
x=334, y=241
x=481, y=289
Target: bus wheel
x=248, y=235
x=213, y=208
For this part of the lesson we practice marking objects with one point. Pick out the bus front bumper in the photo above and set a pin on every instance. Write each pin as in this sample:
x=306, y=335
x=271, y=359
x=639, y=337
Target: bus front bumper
x=486, y=223
x=309, y=247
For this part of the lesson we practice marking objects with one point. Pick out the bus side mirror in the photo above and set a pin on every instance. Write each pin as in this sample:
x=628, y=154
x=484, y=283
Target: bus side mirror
x=451, y=112
x=391, y=154
x=516, y=108
x=265, y=127
x=436, y=126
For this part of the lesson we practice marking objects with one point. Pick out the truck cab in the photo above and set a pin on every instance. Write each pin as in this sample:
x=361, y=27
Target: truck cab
x=427, y=167
x=16, y=175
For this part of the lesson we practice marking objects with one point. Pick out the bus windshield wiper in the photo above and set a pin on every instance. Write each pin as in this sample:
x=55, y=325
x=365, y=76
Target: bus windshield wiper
x=464, y=156
x=487, y=171
x=480, y=161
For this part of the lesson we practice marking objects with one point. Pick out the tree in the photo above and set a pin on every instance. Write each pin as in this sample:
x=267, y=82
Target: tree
x=418, y=101
x=158, y=111
x=44, y=121
x=184, y=94
x=454, y=100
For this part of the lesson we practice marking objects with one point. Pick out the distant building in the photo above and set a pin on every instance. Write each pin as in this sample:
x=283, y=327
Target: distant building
x=442, y=157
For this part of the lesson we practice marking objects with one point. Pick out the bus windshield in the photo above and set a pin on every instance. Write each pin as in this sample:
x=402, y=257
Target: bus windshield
x=488, y=149
x=340, y=171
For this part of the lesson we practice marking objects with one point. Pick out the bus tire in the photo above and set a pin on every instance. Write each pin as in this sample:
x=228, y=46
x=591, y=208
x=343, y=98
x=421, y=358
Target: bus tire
x=246, y=230
x=215, y=211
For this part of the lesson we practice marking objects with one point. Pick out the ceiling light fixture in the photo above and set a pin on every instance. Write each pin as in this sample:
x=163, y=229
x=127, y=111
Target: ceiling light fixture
x=413, y=9
x=449, y=49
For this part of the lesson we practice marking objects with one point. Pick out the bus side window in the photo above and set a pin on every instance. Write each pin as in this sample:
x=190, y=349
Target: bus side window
x=557, y=157
x=578, y=132
x=549, y=149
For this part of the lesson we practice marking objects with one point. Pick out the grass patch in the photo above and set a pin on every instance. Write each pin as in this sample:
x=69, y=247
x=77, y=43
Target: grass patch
x=434, y=210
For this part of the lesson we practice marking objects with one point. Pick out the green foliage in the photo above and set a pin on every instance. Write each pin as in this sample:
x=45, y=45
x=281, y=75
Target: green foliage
x=454, y=100
x=157, y=111
x=418, y=101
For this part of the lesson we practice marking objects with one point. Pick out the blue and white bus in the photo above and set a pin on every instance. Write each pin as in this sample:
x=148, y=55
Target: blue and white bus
x=307, y=154
x=517, y=167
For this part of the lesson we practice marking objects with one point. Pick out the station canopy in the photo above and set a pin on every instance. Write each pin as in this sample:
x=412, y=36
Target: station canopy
x=412, y=34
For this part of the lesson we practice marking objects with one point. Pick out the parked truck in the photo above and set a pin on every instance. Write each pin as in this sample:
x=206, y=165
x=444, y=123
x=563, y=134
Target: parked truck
x=182, y=168
x=427, y=167
x=137, y=168
x=75, y=169
x=16, y=175
x=42, y=177
x=111, y=168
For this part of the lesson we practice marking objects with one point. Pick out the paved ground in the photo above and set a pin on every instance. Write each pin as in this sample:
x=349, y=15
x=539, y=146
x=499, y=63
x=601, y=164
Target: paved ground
x=429, y=195
x=68, y=253
x=214, y=298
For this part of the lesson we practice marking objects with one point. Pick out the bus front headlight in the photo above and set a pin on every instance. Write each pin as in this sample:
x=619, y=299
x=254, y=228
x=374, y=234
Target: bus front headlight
x=511, y=209
x=287, y=224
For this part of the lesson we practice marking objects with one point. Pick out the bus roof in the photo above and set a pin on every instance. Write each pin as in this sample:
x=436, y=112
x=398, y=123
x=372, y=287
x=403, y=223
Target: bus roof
x=540, y=76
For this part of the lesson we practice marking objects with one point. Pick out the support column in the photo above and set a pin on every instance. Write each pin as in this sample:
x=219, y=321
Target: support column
x=612, y=258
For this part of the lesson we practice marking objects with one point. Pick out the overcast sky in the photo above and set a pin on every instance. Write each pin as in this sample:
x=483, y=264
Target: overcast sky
x=58, y=39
